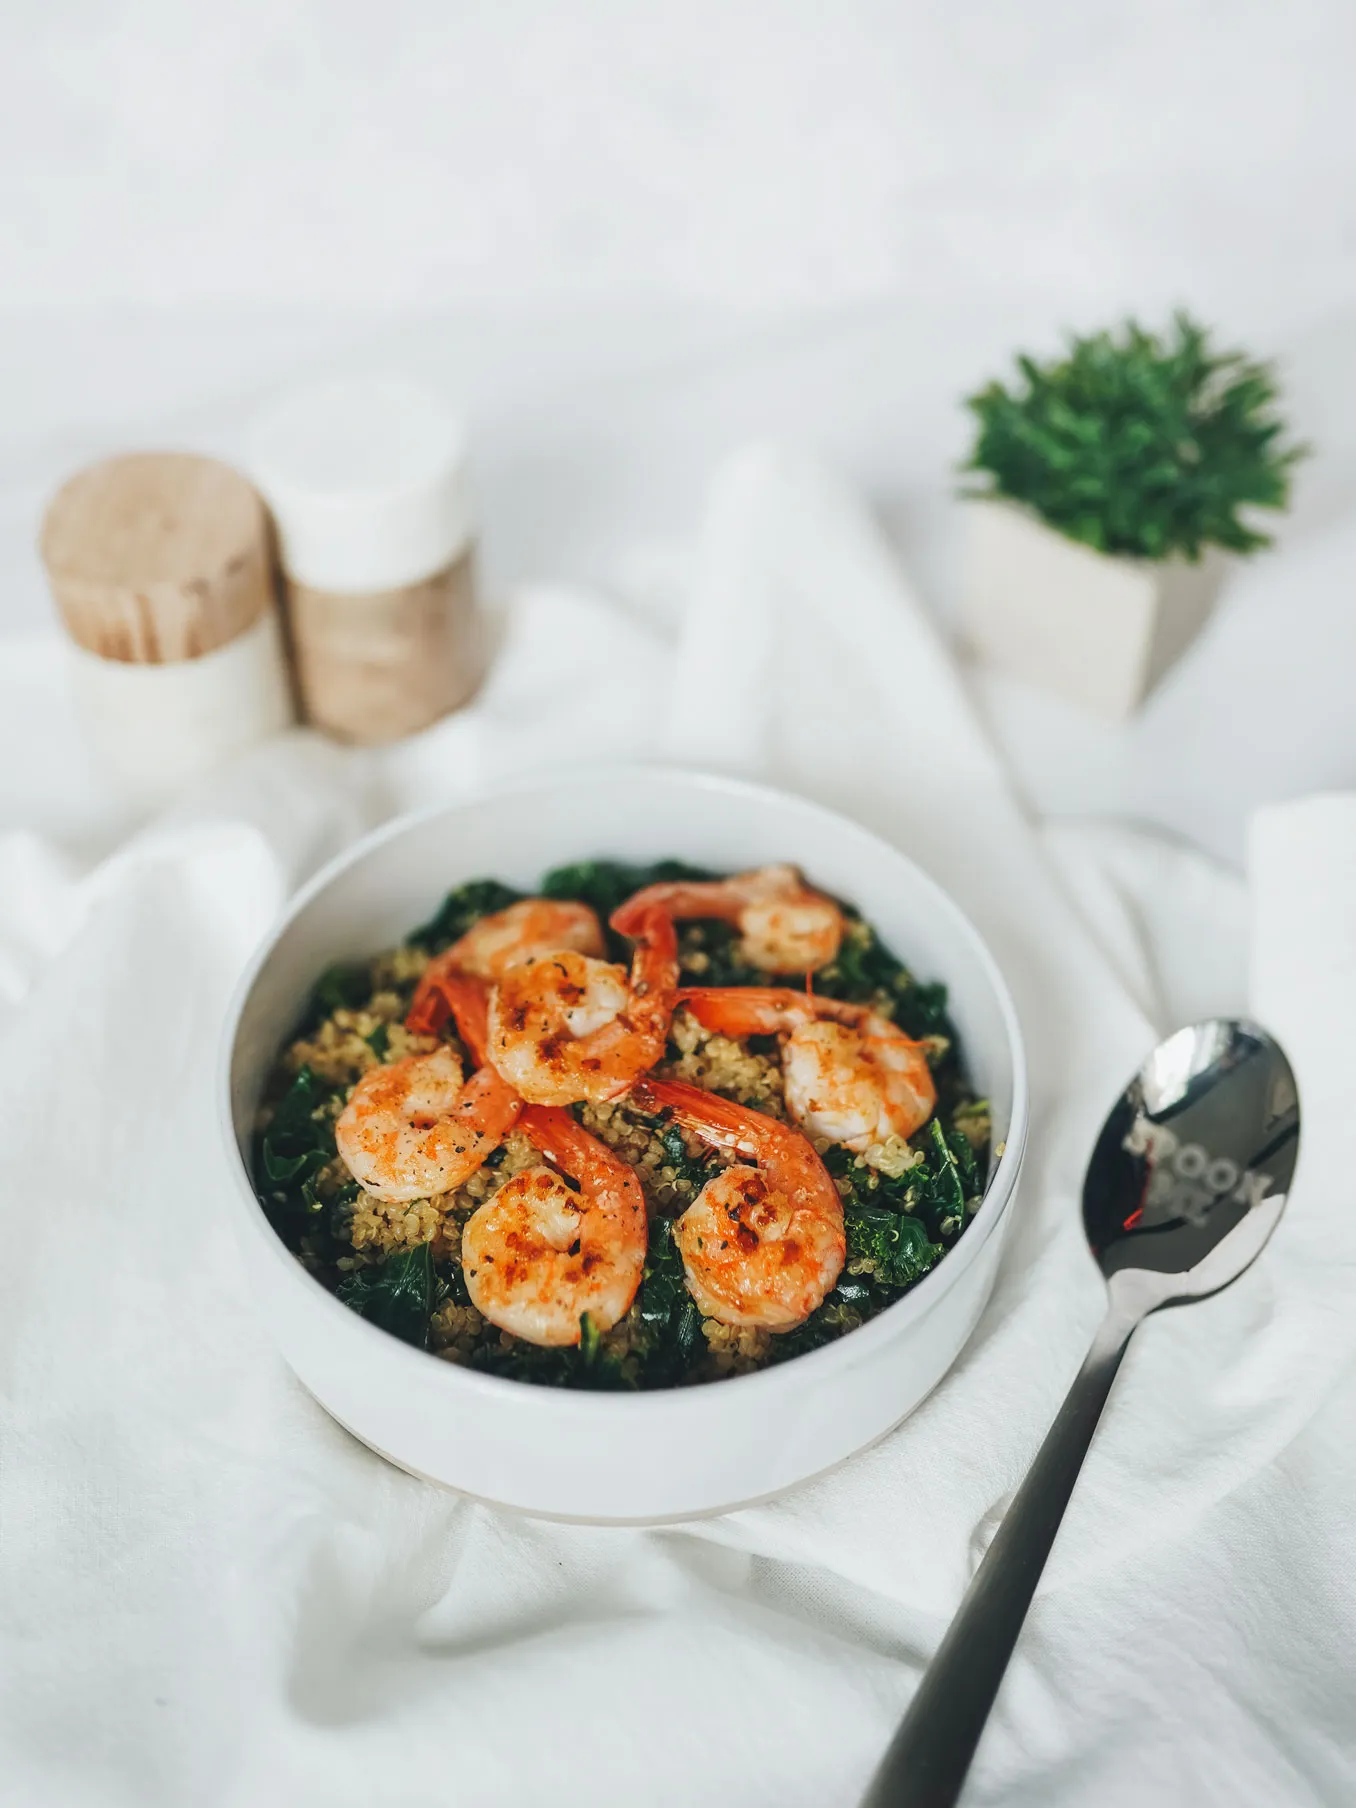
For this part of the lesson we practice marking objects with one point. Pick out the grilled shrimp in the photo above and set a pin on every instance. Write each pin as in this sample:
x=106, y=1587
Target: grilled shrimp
x=565, y=1026
x=531, y=927
x=761, y=1245
x=538, y=1254
x=851, y=1075
x=784, y=927
x=413, y=1128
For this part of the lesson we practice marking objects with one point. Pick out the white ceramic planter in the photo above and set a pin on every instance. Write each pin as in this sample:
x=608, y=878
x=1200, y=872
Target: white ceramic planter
x=1099, y=630
x=674, y=1453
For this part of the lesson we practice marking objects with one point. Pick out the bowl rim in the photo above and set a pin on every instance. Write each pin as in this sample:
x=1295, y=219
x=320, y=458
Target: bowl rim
x=843, y=1352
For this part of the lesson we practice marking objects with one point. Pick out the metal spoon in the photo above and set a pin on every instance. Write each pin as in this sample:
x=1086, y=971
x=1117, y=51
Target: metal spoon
x=1187, y=1182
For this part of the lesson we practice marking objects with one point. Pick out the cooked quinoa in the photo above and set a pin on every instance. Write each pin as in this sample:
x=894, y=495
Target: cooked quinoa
x=905, y=1202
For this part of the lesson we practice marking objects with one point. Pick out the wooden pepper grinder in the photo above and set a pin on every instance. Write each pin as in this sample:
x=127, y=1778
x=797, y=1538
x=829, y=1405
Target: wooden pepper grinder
x=161, y=568
x=366, y=479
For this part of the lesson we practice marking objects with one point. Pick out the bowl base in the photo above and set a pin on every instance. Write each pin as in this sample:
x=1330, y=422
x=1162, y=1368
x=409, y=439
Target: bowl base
x=620, y=1521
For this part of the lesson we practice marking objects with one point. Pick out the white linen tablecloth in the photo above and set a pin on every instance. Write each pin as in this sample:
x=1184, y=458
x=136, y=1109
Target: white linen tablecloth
x=211, y=1594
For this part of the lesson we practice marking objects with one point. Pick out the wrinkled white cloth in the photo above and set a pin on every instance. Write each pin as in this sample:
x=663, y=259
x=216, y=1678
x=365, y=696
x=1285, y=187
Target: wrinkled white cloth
x=210, y=1594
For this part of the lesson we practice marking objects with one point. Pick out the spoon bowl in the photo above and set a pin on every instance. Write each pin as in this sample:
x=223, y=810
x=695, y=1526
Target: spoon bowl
x=1187, y=1181
x=1192, y=1169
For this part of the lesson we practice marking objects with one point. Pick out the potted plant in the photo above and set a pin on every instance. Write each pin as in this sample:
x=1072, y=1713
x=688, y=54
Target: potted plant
x=1115, y=477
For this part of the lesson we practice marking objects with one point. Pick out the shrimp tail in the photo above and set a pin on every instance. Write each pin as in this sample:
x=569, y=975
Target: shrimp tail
x=745, y=1010
x=653, y=982
x=649, y=922
x=431, y=1007
x=761, y=1010
x=784, y=926
x=558, y=1135
x=451, y=994
x=677, y=899
x=719, y=1122
x=654, y=966
x=469, y=1001
x=486, y=1099
x=553, y=1133
x=435, y=997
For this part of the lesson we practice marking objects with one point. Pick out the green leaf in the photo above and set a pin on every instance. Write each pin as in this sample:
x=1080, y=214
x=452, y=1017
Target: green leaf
x=892, y=1246
x=663, y=1287
x=281, y=1170
x=668, y=1315
x=687, y=1330
x=864, y=971
x=298, y=1139
x=397, y=1295
x=1139, y=444
x=936, y=1191
x=685, y=1166
x=344, y=987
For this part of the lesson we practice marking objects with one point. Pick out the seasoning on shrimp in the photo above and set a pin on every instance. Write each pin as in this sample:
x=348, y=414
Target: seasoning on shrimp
x=540, y=1254
x=784, y=926
x=504, y=939
x=414, y=1128
x=851, y=1075
x=566, y=1027
x=761, y=1244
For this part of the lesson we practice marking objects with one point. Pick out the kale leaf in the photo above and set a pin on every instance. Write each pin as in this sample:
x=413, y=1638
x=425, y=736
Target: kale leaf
x=397, y=1295
x=937, y=1185
x=891, y=1246
x=864, y=971
x=863, y=967
x=843, y=1310
x=605, y=884
x=685, y=1166
x=663, y=1287
x=668, y=1314
x=921, y=1010
x=343, y=987
x=295, y=1143
x=586, y=1366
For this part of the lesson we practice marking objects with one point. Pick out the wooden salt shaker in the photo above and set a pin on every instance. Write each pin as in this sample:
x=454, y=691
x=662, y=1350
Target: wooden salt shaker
x=366, y=479
x=161, y=568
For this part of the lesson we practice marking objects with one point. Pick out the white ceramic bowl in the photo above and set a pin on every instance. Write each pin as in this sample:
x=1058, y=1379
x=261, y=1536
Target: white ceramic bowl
x=601, y=1456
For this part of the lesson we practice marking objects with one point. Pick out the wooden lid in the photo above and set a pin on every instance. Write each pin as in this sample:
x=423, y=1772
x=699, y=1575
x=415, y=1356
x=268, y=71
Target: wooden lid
x=157, y=556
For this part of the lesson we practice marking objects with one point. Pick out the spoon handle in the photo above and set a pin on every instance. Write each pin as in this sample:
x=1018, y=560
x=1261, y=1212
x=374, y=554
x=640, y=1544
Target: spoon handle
x=929, y=1756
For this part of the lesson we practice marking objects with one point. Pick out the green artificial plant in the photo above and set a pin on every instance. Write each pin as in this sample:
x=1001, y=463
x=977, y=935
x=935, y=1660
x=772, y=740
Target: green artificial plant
x=1140, y=444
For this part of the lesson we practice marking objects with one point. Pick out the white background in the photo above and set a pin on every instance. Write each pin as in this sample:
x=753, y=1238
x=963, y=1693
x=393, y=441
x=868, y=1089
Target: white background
x=627, y=236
